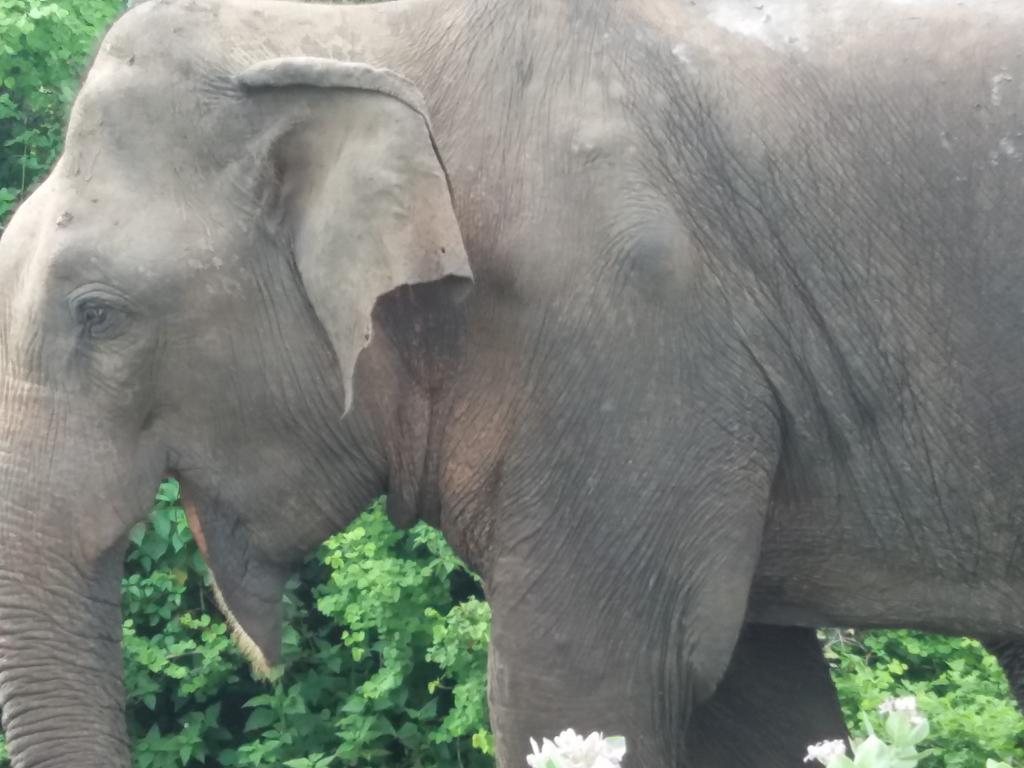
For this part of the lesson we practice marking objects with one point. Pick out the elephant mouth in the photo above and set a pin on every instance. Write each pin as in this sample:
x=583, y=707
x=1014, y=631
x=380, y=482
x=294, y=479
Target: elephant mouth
x=257, y=634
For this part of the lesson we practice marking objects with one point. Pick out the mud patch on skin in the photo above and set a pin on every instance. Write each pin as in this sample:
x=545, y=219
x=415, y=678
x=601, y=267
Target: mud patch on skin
x=261, y=668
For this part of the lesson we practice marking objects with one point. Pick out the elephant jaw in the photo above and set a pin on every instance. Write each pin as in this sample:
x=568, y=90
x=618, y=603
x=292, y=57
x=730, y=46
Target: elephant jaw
x=262, y=656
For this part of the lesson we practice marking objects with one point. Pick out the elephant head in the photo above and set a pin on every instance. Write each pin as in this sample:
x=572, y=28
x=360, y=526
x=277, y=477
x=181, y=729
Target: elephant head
x=187, y=293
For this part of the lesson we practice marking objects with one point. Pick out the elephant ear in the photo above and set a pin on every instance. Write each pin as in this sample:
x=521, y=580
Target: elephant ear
x=357, y=187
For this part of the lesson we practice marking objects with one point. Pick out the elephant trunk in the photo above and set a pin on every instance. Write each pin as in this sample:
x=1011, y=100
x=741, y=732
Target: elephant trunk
x=61, y=691
x=63, y=535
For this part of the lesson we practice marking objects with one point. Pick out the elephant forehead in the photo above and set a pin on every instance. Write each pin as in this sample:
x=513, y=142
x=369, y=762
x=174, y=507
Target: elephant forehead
x=150, y=124
x=146, y=179
x=149, y=244
x=158, y=95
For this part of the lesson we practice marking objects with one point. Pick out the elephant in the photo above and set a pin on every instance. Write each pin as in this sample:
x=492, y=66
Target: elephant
x=1010, y=654
x=693, y=326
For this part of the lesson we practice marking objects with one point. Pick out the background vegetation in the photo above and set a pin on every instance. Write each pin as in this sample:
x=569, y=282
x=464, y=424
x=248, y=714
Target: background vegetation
x=385, y=649
x=386, y=635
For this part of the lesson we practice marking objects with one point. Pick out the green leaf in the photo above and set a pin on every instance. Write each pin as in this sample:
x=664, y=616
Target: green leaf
x=162, y=525
x=260, y=718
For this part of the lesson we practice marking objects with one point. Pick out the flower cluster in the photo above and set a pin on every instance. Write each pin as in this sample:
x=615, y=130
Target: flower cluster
x=905, y=704
x=899, y=704
x=824, y=751
x=905, y=729
x=570, y=750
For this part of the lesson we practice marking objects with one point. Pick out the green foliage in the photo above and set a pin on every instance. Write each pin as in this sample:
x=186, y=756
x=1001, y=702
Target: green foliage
x=44, y=45
x=959, y=687
x=386, y=634
x=904, y=730
x=385, y=650
x=383, y=665
x=393, y=604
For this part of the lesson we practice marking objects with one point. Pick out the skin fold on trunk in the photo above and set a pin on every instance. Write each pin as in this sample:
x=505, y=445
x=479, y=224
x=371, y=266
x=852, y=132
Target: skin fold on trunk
x=61, y=679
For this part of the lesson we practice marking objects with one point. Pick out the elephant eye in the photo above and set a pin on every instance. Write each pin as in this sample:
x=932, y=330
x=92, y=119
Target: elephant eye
x=98, y=320
x=94, y=316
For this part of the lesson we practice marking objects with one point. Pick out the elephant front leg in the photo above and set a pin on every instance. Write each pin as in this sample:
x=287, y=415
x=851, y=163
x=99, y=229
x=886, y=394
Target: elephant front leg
x=621, y=630
x=623, y=546
x=542, y=683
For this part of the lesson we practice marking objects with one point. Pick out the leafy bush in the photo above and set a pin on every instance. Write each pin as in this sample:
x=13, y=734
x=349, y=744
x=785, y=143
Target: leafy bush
x=44, y=46
x=897, y=744
x=385, y=649
x=959, y=687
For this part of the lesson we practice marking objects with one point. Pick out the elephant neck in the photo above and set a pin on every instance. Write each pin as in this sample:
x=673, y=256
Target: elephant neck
x=412, y=466
x=407, y=373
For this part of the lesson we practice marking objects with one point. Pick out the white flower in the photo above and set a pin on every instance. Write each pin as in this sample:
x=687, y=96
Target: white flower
x=824, y=751
x=544, y=756
x=906, y=704
x=570, y=750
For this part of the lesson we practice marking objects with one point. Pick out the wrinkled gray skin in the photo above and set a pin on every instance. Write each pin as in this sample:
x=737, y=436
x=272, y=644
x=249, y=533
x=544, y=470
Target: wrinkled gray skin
x=744, y=343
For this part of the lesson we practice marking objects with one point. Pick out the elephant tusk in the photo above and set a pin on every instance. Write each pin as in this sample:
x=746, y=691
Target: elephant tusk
x=261, y=668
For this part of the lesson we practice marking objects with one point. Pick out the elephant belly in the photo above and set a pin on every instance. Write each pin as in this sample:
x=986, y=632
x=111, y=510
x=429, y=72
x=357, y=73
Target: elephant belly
x=828, y=567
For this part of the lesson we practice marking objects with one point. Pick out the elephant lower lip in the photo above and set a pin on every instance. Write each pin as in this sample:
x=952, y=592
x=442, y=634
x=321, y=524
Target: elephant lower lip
x=261, y=656
x=192, y=517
